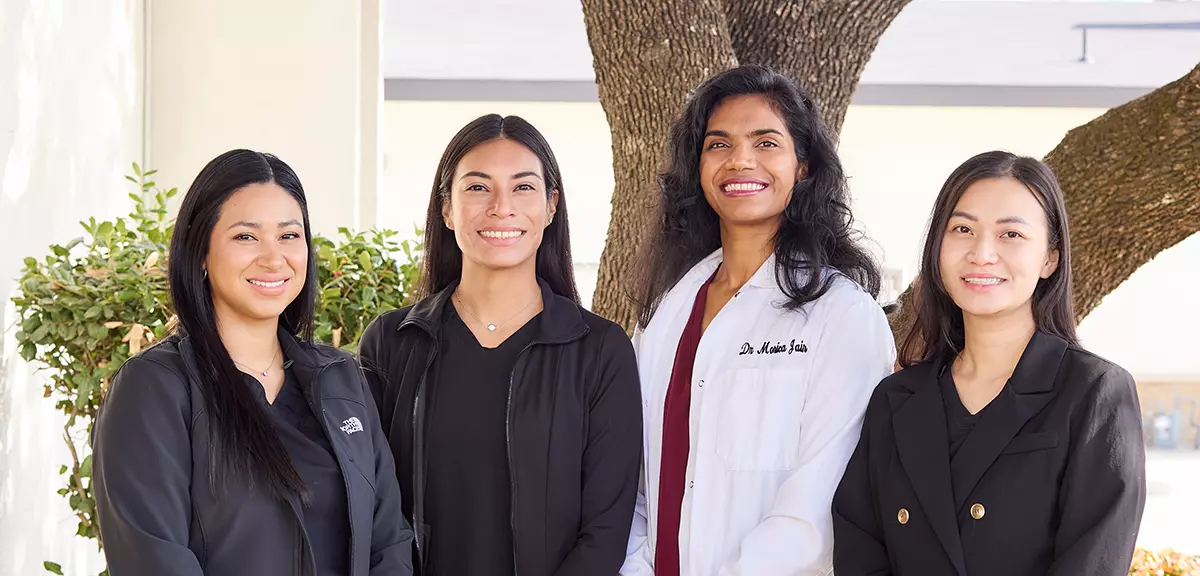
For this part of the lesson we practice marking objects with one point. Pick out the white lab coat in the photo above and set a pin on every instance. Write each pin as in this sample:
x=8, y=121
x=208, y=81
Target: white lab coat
x=777, y=402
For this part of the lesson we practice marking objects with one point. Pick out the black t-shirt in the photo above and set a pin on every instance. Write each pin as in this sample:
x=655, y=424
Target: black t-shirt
x=469, y=500
x=960, y=422
x=327, y=519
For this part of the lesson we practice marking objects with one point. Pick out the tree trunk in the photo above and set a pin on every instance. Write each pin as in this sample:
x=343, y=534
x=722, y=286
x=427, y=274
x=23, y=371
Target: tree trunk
x=1131, y=179
x=823, y=44
x=647, y=56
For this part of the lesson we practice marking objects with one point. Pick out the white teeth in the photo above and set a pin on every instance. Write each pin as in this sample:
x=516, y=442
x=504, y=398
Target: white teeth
x=275, y=284
x=984, y=281
x=744, y=187
x=500, y=234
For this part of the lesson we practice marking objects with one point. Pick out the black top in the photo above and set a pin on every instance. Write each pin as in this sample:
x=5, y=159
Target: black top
x=160, y=509
x=469, y=500
x=959, y=421
x=1051, y=481
x=326, y=519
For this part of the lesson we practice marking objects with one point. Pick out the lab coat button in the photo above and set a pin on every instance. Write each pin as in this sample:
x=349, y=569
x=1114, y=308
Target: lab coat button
x=977, y=511
x=902, y=516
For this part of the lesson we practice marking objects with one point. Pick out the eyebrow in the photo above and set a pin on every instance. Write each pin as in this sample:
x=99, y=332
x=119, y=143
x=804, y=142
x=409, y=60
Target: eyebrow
x=759, y=132
x=478, y=174
x=1005, y=220
x=257, y=226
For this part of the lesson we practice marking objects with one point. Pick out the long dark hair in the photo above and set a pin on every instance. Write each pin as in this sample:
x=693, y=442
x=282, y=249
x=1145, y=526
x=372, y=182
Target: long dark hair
x=816, y=231
x=938, y=328
x=249, y=450
x=443, y=257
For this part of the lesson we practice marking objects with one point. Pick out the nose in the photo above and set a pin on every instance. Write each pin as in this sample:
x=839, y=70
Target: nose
x=742, y=158
x=271, y=256
x=502, y=204
x=982, y=251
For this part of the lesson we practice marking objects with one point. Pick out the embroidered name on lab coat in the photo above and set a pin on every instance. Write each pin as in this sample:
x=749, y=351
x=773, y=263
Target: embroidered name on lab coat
x=792, y=347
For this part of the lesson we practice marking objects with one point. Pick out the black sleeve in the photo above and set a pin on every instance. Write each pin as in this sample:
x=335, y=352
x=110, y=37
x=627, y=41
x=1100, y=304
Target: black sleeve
x=373, y=361
x=391, y=536
x=142, y=469
x=858, y=542
x=1103, y=491
x=611, y=463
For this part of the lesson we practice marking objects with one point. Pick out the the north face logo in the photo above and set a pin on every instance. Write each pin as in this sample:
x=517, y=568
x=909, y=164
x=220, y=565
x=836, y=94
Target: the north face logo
x=351, y=425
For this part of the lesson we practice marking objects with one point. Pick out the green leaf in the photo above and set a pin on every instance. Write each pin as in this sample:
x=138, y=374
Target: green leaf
x=85, y=467
x=105, y=230
x=31, y=263
x=364, y=260
x=93, y=312
x=40, y=333
x=137, y=169
x=28, y=351
x=52, y=568
x=62, y=470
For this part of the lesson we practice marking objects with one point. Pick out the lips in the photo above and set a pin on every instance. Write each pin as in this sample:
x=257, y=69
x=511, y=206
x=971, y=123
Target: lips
x=743, y=186
x=501, y=234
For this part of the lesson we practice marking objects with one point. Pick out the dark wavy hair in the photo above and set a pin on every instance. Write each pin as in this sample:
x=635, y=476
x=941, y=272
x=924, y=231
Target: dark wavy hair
x=938, y=328
x=249, y=449
x=816, y=231
x=443, y=257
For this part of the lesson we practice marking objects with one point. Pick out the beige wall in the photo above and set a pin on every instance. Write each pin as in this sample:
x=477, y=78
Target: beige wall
x=897, y=158
x=297, y=78
x=70, y=124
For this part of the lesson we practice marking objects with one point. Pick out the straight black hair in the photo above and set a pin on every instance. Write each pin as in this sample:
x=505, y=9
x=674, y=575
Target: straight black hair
x=443, y=257
x=245, y=445
x=938, y=328
x=816, y=231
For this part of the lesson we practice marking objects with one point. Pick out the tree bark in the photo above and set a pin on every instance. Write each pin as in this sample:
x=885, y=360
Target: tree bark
x=822, y=44
x=647, y=56
x=1131, y=180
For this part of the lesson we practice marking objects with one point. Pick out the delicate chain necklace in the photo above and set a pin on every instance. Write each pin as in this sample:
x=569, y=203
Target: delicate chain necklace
x=493, y=327
x=263, y=372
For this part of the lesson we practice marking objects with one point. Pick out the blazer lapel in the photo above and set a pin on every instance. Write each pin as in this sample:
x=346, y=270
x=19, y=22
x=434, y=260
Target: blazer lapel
x=1026, y=393
x=919, y=422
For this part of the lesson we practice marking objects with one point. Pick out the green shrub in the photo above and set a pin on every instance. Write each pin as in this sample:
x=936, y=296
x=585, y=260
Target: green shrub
x=90, y=304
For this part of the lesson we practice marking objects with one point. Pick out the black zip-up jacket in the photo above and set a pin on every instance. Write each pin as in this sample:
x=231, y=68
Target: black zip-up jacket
x=156, y=508
x=574, y=430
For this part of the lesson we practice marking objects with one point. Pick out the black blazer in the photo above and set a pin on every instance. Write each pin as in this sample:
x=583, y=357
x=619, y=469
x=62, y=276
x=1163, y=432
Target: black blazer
x=158, y=512
x=1051, y=481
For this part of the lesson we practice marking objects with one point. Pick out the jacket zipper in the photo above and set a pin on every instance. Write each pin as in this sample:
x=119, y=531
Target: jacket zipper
x=419, y=459
x=512, y=477
x=332, y=444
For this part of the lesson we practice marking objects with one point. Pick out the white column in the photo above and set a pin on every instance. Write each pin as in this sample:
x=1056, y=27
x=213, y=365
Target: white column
x=297, y=78
x=70, y=125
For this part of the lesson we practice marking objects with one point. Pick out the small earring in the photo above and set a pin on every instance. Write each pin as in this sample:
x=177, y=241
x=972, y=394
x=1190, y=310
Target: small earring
x=206, y=273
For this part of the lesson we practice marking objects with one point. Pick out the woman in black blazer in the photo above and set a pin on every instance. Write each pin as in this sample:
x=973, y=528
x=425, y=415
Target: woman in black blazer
x=1001, y=447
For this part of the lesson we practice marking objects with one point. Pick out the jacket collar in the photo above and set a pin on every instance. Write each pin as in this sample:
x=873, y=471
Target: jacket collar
x=764, y=277
x=561, y=319
x=919, y=424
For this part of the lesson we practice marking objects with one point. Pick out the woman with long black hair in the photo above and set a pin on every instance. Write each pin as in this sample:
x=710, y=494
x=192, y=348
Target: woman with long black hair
x=759, y=337
x=236, y=446
x=1002, y=447
x=513, y=412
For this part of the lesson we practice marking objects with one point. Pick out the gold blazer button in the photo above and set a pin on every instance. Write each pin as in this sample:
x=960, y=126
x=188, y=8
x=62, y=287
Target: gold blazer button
x=977, y=511
x=902, y=516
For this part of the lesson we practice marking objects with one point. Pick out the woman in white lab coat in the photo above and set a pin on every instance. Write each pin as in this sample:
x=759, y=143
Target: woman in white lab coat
x=759, y=338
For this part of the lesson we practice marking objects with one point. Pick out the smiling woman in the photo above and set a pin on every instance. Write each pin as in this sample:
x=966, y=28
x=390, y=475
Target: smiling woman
x=234, y=446
x=512, y=411
x=1002, y=447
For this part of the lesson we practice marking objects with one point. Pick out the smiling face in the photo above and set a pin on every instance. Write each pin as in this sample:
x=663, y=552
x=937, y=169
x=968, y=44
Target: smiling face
x=498, y=206
x=748, y=163
x=995, y=249
x=257, y=255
